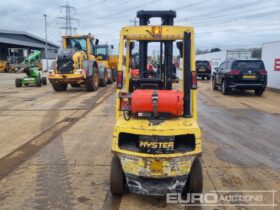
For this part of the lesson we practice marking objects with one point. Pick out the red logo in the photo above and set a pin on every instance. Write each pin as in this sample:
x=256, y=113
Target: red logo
x=277, y=64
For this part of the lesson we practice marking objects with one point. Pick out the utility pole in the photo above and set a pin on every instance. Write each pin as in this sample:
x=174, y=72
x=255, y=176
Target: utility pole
x=68, y=19
x=46, y=46
x=134, y=21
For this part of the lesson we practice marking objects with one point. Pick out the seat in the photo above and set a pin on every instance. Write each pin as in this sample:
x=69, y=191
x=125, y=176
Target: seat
x=147, y=83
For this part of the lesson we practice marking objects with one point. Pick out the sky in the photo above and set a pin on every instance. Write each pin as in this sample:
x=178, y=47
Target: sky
x=226, y=24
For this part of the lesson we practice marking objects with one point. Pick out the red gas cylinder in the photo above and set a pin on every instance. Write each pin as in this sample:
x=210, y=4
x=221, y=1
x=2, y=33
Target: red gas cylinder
x=168, y=101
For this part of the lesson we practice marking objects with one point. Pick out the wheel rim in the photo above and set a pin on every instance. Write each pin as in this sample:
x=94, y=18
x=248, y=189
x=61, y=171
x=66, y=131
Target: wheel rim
x=223, y=87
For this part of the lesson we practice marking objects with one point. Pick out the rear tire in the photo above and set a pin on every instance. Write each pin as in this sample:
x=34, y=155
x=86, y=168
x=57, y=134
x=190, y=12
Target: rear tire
x=104, y=80
x=44, y=81
x=111, y=80
x=259, y=91
x=114, y=75
x=117, y=178
x=91, y=83
x=39, y=82
x=59, y=87
x=214, y=86
x=18, y=82
x=224, y=88
x=195, y=178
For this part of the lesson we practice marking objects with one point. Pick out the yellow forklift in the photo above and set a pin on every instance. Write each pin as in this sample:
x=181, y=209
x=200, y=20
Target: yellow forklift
x=156, y=139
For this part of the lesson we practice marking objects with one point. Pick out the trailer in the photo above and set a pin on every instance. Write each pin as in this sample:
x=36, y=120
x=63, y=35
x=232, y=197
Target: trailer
x=216, y=58
x=271, y=59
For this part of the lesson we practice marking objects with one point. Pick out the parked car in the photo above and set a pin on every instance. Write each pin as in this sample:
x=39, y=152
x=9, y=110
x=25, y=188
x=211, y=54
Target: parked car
x=203, y=69
x=240, y=74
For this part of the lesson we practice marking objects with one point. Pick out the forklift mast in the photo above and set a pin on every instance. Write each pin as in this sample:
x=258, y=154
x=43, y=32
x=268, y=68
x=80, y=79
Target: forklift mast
x=165, y=34
x=166, y=47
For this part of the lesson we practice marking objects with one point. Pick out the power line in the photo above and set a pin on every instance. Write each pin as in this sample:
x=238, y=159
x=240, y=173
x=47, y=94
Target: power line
x=226, y=11
x=237, y=33
x=234, y=19
x=89, y=7
x=68, y=19
x=46, y=35
x=191, y=5
x=235, y=16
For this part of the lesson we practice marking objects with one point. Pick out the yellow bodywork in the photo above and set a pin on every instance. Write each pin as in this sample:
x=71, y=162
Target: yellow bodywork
x=77, y=58
x=67, y=76
x=3, y=66
x=105, y=63
x=141, y=164
x=111, y=63
x=155, y=165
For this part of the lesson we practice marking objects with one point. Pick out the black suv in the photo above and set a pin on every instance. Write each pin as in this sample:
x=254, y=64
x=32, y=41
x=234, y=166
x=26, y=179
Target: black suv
x=203, y=69
x=240, y=74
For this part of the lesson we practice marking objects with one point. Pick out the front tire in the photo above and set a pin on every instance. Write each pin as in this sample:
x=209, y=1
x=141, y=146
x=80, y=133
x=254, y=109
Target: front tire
x=117, y=178
x=214, y=85
x=59, y=87
x=44, y=80
x=91, y=83
x=111, y=80
x=114, y=75
x=18, y=82
x=259, y=91
x=104, y=80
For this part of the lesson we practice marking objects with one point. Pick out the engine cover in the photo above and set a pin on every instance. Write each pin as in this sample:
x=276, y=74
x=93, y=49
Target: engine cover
x=167, y=101
x=65, y=62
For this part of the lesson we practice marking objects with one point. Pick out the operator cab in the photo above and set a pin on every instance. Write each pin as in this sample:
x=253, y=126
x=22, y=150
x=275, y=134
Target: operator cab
x=102, y=52
x=80, y=43
x=77, y=44
x=157, y=76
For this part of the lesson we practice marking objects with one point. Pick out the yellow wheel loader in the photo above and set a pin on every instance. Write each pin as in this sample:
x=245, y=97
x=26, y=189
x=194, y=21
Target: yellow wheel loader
x=156, y=139
x=103, y=54
x=77, y=65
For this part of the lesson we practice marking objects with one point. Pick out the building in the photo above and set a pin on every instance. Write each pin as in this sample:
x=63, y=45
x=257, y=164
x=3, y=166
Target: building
x=271, y=59
x=19, y=39
x=216, y=58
